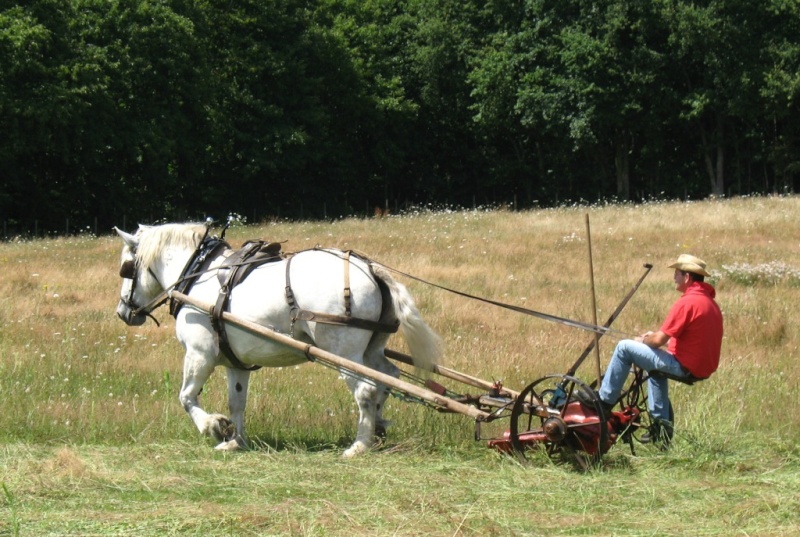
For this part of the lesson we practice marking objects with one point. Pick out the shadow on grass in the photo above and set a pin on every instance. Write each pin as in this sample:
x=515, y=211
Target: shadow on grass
x=320, y=443
x=308, y=444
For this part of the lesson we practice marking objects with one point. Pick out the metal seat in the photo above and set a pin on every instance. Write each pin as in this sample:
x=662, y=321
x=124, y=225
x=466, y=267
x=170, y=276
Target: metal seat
x=688, y=379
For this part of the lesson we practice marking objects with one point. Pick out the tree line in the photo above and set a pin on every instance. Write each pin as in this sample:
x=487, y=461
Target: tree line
x=175, y=109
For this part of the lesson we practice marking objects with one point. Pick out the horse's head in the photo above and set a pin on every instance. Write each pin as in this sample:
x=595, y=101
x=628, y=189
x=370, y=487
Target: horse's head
x=152, y=261
x=137, y=282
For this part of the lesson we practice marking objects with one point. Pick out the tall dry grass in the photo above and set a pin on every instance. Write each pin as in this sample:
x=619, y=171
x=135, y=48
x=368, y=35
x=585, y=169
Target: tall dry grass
x=71, y=371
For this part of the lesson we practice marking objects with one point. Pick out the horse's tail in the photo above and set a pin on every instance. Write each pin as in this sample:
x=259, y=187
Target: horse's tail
x=424, y=345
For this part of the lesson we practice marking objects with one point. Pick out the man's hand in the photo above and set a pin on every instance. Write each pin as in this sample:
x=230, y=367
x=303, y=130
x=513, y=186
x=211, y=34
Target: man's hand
x=653, y=339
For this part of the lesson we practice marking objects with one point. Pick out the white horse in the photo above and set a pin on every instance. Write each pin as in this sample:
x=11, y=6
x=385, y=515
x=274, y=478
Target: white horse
x=153, y=260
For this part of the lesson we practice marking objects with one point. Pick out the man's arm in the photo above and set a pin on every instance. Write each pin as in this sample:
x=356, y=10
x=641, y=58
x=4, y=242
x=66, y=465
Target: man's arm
x=653, y=339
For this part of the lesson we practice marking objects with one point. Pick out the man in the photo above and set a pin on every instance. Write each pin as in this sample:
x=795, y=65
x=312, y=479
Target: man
x=692, y=332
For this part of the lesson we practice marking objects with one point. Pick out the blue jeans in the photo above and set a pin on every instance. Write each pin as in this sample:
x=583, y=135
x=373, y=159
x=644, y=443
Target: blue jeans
x=628, y=353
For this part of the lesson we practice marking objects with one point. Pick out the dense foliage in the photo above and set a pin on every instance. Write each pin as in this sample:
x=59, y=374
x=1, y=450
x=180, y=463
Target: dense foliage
x=153, y=109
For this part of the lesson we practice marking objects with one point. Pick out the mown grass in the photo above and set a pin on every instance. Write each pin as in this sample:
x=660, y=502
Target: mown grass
x=94, y=440
x=181, y=488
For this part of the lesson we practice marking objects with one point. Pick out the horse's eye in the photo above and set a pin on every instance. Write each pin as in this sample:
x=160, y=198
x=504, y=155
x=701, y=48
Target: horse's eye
x=128, y=270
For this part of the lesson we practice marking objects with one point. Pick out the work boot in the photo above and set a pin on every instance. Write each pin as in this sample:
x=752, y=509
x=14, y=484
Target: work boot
x=659, y=433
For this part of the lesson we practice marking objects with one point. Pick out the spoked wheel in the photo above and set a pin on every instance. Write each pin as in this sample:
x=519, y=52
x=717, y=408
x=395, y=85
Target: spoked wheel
x=562, y=416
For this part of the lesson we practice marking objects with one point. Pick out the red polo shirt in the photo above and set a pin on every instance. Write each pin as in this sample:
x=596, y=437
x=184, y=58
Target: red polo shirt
x=694, y=325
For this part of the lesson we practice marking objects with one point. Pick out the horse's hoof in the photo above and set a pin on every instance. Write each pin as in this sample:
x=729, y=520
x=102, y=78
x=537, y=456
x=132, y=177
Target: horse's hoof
x=355, y=450
x=380, y=432
x=221, y=428
x=230, y=445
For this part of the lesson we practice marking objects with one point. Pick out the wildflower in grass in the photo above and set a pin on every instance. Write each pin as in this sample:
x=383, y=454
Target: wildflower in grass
x=771, y=273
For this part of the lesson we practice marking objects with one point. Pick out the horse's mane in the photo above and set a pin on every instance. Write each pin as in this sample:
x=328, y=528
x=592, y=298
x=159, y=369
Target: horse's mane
x=154, y=239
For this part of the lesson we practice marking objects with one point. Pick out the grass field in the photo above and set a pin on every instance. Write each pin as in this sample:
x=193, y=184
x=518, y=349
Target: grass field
x=94, y=441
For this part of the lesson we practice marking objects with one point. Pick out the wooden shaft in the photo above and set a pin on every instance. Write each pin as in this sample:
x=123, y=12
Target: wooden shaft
x=452, y=374
x=330, y=358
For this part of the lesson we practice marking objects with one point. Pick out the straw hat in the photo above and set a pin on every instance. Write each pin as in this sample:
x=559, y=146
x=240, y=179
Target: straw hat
x=690, y=263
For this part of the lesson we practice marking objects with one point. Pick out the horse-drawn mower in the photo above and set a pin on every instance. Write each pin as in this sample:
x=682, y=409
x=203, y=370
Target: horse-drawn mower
x=558, y=415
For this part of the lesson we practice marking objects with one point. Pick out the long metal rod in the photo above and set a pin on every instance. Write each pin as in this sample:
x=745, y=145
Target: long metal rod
x=330, y=358
x=594, y=297
x=452, y=374
x=613, y=317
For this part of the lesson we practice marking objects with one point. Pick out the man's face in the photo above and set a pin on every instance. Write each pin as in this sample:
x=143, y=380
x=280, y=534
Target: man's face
x=682, y=280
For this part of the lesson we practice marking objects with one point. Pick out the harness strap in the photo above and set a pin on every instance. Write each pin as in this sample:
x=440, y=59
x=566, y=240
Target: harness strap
x=207, y=251
x=347, y=293
x=224, y=346
x=232, y=272
x=342, y=320
x=288, y=290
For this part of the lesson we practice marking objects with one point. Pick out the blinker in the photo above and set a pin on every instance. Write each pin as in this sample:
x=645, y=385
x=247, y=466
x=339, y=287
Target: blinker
x=128, y=269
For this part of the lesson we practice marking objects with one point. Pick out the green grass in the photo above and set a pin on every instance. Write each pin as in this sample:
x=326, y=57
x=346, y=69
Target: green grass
x=93, y=440
x=182, y=488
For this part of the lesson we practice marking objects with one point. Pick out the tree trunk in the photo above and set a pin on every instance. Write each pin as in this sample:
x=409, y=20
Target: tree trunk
x=715, y=170
x=622, y=163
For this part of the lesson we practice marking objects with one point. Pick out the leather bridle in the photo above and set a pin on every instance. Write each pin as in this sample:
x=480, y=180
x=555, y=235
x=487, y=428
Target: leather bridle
x=129, y=271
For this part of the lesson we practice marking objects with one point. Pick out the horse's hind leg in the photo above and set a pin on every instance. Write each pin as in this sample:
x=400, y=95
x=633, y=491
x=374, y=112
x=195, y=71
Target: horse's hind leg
x=366, y=394
x=376, y=360
x=370, y=397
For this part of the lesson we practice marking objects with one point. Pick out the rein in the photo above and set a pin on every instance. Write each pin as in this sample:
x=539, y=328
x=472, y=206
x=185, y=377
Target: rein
x=209, y=246
x=602, y=330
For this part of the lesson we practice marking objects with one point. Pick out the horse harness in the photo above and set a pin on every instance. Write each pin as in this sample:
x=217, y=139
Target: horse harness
x=240, y=264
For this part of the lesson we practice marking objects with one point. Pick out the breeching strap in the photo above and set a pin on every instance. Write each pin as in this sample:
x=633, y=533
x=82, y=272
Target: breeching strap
x=299, y=314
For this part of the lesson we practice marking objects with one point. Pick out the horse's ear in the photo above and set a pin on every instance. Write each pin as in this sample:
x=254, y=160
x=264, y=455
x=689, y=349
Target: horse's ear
x=129, y=239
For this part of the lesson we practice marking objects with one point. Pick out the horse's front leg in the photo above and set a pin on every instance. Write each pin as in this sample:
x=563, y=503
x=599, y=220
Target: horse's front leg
x=197, y=368
x=238, y=382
